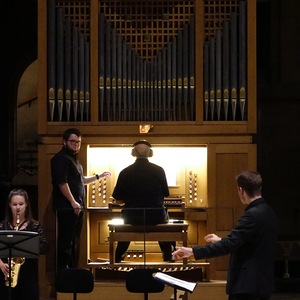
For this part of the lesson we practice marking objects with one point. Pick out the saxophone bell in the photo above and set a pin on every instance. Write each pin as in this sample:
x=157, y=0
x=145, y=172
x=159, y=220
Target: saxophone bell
x=15, y=266
x=16, y=262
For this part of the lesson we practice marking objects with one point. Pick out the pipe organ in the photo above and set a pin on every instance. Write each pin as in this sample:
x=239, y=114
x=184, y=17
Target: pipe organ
x=178, y=73
x=146, y=61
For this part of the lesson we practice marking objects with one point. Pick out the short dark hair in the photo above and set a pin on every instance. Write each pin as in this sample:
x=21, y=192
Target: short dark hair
x=70, y=131
x=142, y=142
x=251, y=182
x=141, y=152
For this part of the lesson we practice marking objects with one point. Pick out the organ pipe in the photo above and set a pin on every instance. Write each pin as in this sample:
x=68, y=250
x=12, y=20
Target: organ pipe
x=225, y=69
x=132, y=88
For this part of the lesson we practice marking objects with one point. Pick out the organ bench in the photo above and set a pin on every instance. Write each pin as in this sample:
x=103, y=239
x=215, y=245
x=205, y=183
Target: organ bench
x=160, y=233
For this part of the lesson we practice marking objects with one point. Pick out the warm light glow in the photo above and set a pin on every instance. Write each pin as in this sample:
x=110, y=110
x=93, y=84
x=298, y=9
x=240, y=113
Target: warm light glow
x=185, y=168
x=172, y=159
x=116, y=222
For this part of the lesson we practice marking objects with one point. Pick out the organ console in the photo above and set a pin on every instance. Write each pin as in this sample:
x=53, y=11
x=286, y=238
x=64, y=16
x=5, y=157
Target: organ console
x=186, y=171
x=169, y=202
x=185, y=167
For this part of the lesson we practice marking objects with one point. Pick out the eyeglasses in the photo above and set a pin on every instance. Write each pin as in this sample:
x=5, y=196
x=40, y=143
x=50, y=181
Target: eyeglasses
x=74, y=142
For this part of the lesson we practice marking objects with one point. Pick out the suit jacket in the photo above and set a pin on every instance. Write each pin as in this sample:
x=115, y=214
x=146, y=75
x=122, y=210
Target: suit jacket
x=251, y=245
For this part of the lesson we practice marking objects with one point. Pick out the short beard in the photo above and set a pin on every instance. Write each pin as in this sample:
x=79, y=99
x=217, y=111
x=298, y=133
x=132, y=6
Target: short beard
x=71, y=150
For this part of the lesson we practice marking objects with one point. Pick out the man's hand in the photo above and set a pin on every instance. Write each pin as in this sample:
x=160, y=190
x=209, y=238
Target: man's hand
x=118, y=202
x=212, y=238
x=106, y=174
x=77, y=208
x=182, y=252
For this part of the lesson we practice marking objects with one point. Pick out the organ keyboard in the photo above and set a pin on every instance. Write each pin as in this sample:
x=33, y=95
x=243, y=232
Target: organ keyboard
x=174, y=201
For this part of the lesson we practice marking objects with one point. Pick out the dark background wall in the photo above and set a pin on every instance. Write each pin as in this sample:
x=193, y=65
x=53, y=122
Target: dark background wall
x=278, y=62
x=278, y=44
x=18, y=35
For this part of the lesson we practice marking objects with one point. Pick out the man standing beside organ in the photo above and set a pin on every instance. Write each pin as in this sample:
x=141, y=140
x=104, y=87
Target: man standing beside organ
x=68, y=198
x=141, y=188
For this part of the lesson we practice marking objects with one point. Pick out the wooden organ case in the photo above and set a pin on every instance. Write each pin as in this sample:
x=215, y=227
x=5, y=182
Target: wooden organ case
x=177, y=73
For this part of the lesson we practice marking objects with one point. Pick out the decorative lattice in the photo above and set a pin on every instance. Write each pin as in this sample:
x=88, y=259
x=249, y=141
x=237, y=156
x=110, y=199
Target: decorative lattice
x=147, y=26
x=79, y=13
x=215, y=13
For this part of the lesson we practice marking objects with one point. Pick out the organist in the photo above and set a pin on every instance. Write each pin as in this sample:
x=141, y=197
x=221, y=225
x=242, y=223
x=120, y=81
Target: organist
x=141, y=189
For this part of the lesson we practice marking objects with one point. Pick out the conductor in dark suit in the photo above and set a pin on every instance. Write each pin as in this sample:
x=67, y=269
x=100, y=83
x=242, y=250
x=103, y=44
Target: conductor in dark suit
x=251, y=244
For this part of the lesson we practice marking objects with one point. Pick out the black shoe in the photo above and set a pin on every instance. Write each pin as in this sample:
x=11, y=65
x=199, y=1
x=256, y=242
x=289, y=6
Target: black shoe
x=118, y=260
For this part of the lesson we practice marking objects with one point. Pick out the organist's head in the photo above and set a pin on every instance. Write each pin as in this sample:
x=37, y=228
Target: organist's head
x=142, y=149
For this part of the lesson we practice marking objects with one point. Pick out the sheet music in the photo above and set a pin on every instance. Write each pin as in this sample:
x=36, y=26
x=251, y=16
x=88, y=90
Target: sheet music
x=186, y=285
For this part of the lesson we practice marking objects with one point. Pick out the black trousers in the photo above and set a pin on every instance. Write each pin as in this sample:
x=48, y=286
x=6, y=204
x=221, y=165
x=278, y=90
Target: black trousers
x=247, y=297
x=69, y=226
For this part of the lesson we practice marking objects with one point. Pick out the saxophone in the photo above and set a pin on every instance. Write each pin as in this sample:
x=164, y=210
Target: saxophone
x=15, y=262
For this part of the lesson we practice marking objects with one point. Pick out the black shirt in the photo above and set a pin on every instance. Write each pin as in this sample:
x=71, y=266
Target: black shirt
x=142, y=185
x=66, y=169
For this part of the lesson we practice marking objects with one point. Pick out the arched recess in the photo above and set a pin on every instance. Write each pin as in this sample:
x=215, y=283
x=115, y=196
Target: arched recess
x=26, y=128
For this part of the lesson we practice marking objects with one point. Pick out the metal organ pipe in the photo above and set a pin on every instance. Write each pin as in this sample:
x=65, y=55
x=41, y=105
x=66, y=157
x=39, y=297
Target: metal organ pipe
x=68, y=68
x=152, y=90
x=51, y=66
x=225, y=64
x=60, y=61
x=132, y=88
x=242, y=57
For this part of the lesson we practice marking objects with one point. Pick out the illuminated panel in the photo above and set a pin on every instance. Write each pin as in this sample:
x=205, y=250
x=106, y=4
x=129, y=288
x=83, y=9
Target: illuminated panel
x=185, y=167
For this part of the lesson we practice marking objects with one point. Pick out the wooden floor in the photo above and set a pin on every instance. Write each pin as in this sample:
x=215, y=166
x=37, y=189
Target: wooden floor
x=214, y=290
x=154, y=297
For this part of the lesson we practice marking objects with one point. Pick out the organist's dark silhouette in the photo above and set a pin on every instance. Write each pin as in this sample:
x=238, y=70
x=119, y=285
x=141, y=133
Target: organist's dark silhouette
x=141, y=188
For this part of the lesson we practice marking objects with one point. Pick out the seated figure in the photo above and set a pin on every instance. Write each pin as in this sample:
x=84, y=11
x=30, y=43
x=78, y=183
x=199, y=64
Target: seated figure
x=141, y=188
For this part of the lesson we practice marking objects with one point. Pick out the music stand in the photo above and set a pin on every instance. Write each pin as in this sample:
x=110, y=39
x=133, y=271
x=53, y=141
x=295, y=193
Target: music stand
x=18, y=244
x=177, y=284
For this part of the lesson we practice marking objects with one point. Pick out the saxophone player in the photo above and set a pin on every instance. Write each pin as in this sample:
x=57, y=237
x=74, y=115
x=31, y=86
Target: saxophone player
x=24, y=275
